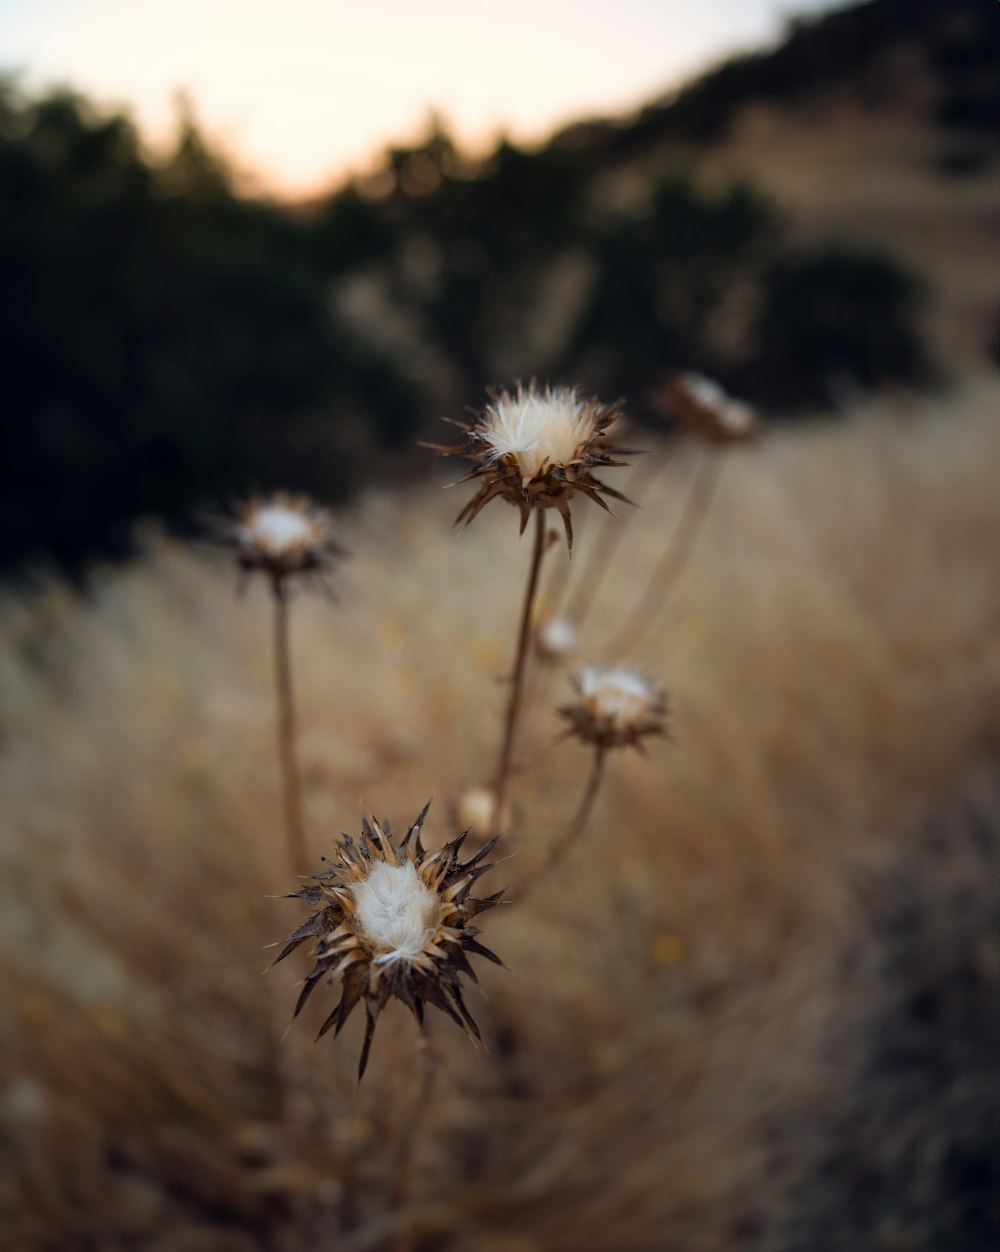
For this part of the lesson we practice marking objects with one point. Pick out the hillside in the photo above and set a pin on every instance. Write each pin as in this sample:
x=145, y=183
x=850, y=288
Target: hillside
x=869, y=131
x=935, y=61
x=875, y=126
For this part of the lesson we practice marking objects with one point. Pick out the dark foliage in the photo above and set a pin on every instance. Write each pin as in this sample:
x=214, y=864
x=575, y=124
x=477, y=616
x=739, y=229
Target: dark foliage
x=162, y=341
x=832, y=324
x=660, y=282
x=165, y=341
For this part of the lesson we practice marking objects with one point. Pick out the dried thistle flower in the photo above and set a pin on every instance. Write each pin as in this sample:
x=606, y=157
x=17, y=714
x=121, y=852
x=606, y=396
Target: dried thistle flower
x=392, y=920
x=618, y=706
x=536, y=448
x=556, y=639
x=703, y=406
x=282, y=534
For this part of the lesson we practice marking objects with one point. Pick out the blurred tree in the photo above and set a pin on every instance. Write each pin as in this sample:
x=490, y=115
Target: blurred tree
x=492, y=234
x=832, y=323
x=159, y=337
x=661, y=280
x=166, y=340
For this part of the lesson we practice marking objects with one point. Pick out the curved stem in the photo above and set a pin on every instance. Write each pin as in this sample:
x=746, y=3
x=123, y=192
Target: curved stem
x=574, y=828
x=291, y=784
x=517, y=678
x=589, y=579
x=675, y=558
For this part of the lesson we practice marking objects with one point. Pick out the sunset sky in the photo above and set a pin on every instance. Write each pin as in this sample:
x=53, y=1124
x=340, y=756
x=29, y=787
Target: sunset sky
x=303, y=91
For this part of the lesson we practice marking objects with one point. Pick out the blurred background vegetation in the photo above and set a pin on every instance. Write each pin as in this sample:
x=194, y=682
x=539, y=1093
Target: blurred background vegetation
x=167, y=340
x=758, y=1012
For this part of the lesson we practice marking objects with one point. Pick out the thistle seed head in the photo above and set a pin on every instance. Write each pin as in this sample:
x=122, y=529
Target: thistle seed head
x=537, y=431
x=617, y=706
x=281, y=534
x=706, y=410
x=475, y=810
x=556, y=640
x=536, y=448
x=392, y=920
x=396, y=911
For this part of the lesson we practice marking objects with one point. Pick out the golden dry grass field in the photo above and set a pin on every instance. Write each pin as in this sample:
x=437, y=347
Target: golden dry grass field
x=752, y=1009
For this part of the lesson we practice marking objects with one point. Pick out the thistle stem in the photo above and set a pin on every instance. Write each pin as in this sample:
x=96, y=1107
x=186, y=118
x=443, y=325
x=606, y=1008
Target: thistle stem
x=517, y=678
x=609, y=538
x=575, y=826
x=675, y=558
x=554, y=592
x=426, y=1066
x=291, y=784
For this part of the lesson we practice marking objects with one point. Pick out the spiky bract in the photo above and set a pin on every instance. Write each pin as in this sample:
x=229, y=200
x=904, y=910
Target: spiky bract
x=392, y=920
x=281, y=534
x=618, y=706
x=536, y=448
x=706, y=410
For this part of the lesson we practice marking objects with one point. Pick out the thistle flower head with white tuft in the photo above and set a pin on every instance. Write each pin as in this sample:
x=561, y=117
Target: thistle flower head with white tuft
x=617, y=706
x=281, y=534
x=537, y=431
x=537, y=447
x=392, y=920
x=706, y=410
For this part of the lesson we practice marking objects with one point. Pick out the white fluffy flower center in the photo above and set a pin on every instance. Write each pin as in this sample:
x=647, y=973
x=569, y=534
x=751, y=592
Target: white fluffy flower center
x=540, y=430
x=619, y=694
x=277, y=528
x=396, y=910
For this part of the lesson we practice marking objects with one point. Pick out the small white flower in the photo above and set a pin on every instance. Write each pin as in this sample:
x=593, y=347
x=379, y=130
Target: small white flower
x=475, y=810
x=556, y=639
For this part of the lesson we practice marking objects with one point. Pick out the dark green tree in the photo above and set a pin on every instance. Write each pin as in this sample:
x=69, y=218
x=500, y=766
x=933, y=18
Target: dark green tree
x=163, y=340
x=832, y=323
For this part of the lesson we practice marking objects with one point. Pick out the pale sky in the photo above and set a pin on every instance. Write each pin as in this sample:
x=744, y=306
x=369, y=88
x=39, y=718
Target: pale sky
x=303, y=91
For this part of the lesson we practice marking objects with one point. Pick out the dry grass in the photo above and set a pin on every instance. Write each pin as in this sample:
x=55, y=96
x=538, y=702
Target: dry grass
x=747, y=1013
x=844, y=172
